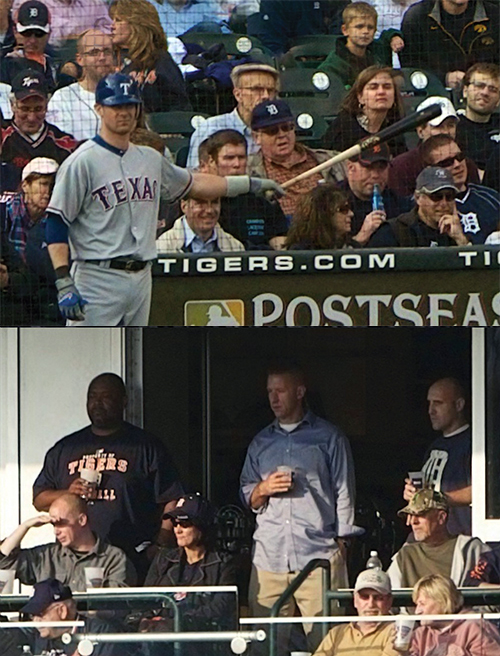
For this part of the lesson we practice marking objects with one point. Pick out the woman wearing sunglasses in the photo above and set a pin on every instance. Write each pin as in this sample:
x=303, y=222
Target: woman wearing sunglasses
x=194, y=562
x=322, y=220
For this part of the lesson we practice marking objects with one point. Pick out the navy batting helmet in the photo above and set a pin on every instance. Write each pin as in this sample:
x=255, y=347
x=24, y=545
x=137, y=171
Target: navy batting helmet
x=117, y=89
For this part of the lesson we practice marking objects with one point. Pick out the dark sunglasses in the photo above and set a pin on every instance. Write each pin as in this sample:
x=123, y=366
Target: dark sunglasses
x=183, y=523
x=449, y=161
x=273, y=130
x=36, y=33
x=440, y=195
x=344, y=209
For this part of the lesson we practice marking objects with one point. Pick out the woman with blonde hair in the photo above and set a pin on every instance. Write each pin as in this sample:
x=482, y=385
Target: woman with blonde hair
x=322, y=220
x=372, y=103
x=438, y=595
x=143, y=52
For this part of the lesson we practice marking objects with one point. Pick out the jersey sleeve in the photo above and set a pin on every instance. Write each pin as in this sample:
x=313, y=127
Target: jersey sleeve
x=71, y=188
x=175, y=181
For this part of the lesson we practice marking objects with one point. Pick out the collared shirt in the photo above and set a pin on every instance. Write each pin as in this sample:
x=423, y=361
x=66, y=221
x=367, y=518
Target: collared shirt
x=56, y=561
x=347, y=639
x=177, y=21
x=302, y=524
x=194, y=243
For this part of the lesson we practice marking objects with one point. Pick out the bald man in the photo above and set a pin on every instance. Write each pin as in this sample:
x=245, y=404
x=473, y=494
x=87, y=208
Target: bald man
x=447, y=463
x=76, y=548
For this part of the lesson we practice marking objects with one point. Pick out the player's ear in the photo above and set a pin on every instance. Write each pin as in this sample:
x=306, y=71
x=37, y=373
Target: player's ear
x=98, y=109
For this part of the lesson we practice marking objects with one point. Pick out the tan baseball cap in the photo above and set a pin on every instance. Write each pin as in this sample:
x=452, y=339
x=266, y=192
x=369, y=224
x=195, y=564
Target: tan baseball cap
x=375, y=579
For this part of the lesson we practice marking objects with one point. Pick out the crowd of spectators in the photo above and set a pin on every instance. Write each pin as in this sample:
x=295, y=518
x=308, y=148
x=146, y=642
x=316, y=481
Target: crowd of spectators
x=54, y=53
x=135, y=523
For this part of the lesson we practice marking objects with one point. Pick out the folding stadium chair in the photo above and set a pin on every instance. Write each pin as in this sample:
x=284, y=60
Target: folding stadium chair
x=319, y=92
x=176, y=128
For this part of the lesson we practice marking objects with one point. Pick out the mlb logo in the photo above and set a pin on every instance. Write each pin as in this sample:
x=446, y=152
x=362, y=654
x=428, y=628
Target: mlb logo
x=230, y=312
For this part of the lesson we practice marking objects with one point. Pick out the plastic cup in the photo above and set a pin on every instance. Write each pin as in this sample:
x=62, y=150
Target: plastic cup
x=285, y=469
x=7, y=577
x=94, y=577
x=404, y=629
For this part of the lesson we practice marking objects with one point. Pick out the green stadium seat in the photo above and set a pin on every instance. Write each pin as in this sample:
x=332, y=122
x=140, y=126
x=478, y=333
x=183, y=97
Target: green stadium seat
x=310, y=127
x=176, y=128
x=307, y=55
x=303, y=88
x=236, y=45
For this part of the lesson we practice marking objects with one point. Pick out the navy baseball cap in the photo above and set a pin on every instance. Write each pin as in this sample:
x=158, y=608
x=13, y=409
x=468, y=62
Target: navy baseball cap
x=117, y=89
x=193, y=508
x=29, y=83
x=33, y=15
x=271, y=112
x=46, y=593
x=434, y=178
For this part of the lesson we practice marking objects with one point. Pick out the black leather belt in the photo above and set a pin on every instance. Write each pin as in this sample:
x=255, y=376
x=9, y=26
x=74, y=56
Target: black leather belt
x=120, y=263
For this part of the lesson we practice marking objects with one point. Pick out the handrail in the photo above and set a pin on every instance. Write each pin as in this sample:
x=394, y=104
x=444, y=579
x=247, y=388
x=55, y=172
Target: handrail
x=291, y=589
x=403, y=596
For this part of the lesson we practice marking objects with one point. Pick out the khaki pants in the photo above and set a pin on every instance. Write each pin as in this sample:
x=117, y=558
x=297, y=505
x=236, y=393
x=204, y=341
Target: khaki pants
x=266, y=588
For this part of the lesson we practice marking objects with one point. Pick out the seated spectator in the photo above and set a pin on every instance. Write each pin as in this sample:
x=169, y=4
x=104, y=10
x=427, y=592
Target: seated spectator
x=32, y=30
x=76, y=547
x=252, y=84
x=491, y=177
x=198, y=230
x=28, y=135
x=136, y=28
x=372, y=597
x=180, y=16
x=438, y=595
x=365, y=171
x=7, y=38
x=69, y=18
x=373, y=103
x=478, y=206
x=478, y=130
x=29, y=295
x=53, y=602
x=255, y=221
x=405, y=168
x=357, y=49
x=195, y=561
x=446, y=37
x=72, y=107
x=281, y=157
x=434, y=551
x=321, y=221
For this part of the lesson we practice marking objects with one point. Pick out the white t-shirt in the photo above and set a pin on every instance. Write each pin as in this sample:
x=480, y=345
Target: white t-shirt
x=71, y=109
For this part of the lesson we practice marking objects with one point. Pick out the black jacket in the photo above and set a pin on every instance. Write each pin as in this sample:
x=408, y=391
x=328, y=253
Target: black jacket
x=408, y=230
x=429, y=46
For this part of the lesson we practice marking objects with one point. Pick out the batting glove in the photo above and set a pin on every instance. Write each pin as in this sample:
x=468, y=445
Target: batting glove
x=243, y=184
x=71, y=304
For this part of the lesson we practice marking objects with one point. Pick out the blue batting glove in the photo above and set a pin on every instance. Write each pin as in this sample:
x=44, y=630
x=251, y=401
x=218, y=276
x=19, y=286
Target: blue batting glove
x=71, y=304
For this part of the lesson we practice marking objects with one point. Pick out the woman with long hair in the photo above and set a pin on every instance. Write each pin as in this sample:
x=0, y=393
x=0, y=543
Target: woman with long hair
x=372, y=103
x=322, y=220
x=143, y=53
x=438, y=595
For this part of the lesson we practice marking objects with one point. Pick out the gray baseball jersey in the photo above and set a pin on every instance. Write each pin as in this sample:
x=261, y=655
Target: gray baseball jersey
x=109, y=199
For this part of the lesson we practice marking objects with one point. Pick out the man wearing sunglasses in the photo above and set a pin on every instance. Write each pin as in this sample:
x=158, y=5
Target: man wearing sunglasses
x=477, y=206
x=32, y=31
x=434, y=221
x=281, y=157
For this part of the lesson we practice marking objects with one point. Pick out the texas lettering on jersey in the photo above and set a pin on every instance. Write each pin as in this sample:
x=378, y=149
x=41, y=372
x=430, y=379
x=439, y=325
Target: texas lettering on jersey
x=115, y=193
x=434, y=468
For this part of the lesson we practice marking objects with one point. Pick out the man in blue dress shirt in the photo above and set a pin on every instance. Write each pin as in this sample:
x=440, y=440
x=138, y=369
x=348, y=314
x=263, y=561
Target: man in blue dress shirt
x=298, y=478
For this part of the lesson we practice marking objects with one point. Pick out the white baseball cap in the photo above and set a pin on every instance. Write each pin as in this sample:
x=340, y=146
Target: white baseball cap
x=374, y=579
x=40, y=165
x=447, y=109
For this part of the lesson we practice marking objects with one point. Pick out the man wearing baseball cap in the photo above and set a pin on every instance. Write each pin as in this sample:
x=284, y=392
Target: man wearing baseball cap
x=53, y=602
x=405, y=168
x=434, y=551
x=368, y=169
x=281, y=157
x=434, y=220
x=372, y=597
x=32, y=29
x=28, y=135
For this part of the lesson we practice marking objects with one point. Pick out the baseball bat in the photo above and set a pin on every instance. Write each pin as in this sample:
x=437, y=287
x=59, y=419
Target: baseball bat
x=407, y=123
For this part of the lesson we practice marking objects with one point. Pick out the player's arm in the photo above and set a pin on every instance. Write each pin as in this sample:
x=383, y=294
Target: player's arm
x=207, y=186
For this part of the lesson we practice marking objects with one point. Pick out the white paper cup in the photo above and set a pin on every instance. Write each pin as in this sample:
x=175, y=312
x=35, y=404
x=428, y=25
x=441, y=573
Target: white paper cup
x=94, y=577
x=91, y=476
x=7, y=577
x=404, y=629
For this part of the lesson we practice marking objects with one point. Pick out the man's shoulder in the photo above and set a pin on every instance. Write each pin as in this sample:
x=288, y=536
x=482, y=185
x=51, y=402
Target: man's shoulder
x=421, y=8
x=482, y=192
x=72, y=439
x=219, y=122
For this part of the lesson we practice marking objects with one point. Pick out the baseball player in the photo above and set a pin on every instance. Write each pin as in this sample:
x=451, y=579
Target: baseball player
x=104, y=210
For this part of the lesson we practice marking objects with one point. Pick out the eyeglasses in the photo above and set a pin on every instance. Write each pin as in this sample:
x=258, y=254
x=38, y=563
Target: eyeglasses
x=261, y=90
x=481, y=86
x=38, y=34
x=273, y=130
x=183, y=523
x=344, y=209
x=442, y=195
x=95, y=52
x=449, y=161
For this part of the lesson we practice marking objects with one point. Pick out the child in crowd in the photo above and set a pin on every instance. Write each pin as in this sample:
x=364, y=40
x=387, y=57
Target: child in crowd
x=357, y=49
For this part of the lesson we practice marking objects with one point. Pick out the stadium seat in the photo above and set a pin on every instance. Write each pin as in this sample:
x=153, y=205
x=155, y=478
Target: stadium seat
x=176, y=128
x=310, y=127
x=236, y=45
x=307, y=55
x=316, y=91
